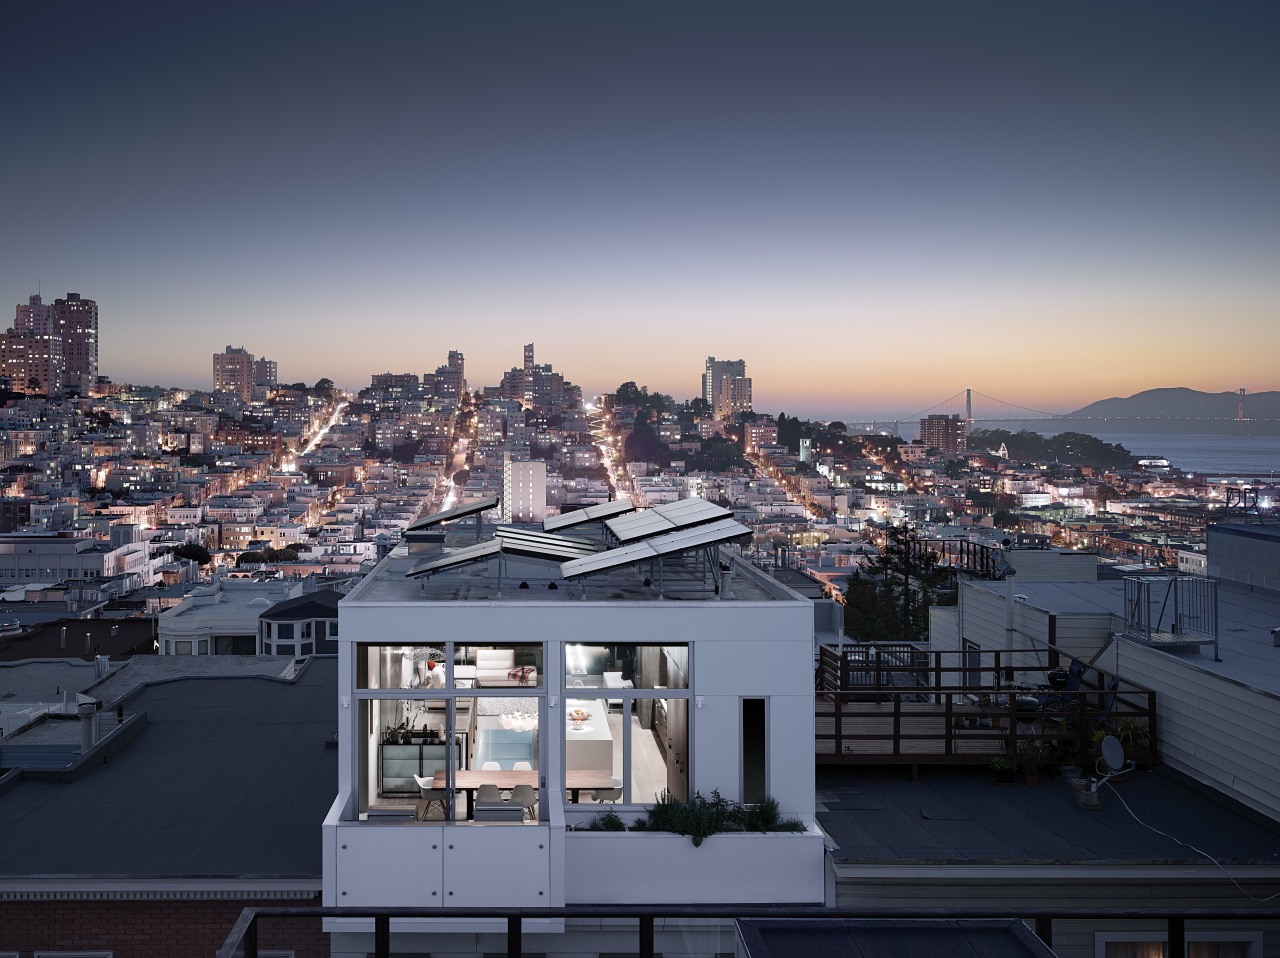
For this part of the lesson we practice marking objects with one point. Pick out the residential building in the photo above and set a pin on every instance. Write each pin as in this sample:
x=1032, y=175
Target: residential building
x=233, y=372
x=221, y=618
x=944, y=433
x=726, y=387
x=524, y=489
x=265, y=372
x=76, y=324
x=583, y=687
x=203, y=797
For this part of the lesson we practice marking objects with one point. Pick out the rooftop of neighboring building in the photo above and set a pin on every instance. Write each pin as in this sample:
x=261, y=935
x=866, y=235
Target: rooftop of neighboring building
x=311, y=605
x=184, y=799
x=42, y=639
x=957, y=815
x=1246, y=617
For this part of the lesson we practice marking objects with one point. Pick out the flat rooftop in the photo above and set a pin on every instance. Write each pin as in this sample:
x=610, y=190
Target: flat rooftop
x=1245, y=620
x=876, y=815
x=230, y=779
x=683, y=578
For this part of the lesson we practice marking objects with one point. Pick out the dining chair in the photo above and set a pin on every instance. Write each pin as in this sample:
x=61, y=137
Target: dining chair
x=428, y=796
x=522, y=767
x=525, y=795
x=488, y=795
x=610, y=795
x=491, y=767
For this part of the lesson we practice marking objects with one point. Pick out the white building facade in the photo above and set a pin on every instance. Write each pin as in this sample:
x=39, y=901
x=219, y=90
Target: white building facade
x=599, y=693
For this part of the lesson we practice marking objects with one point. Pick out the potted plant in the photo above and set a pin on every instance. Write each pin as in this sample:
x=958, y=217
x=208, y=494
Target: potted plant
x=1033, y=757
x=1005, y=767
x=1069, y=766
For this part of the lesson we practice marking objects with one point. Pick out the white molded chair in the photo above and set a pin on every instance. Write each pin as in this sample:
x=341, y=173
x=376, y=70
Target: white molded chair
x=610, y=795
x=491, y=767
x=522, y=767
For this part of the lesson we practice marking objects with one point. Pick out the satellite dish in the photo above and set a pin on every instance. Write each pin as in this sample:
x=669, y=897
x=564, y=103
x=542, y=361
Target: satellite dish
x=1113, y=753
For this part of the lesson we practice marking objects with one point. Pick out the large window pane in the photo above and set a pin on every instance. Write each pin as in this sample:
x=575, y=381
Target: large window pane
x=659, y=749
x=593, y=749
x=626, y=666
x=506, y=666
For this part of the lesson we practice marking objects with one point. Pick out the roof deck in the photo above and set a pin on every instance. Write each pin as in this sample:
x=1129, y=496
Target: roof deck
x=683, y=578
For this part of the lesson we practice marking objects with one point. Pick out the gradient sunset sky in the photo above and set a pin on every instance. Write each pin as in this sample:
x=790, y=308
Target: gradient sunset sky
x=874, y=204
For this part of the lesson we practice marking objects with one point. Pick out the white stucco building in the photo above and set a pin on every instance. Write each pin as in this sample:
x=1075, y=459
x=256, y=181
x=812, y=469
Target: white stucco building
x=649, y=659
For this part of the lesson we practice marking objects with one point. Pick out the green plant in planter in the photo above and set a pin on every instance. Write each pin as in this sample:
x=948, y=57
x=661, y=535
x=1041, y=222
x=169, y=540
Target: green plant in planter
x=1004, y=763
x=701, y=817
x=1033, y=757
x=608, y=822
x=1133, y=732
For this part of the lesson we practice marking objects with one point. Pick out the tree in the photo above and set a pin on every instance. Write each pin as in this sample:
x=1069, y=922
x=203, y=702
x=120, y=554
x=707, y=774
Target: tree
x=193, y=551
x=643, y=445
x=250, y=558
x=324, y=385
x=892, y=592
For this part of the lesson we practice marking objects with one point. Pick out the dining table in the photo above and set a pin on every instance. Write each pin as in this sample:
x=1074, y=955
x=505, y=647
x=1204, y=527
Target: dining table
x=469, y=780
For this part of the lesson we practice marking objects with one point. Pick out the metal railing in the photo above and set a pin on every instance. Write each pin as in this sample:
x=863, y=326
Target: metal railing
x=903, y=705
x=242, y=940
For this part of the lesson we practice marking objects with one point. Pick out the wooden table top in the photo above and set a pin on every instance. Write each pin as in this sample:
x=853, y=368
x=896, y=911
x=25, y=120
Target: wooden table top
x=579, y=778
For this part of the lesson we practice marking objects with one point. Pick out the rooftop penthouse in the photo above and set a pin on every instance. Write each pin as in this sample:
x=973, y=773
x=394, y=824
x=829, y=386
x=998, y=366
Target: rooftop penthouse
x=496, y=694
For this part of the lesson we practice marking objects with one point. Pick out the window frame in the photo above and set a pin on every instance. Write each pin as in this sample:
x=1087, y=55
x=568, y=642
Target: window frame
x=1253, y=938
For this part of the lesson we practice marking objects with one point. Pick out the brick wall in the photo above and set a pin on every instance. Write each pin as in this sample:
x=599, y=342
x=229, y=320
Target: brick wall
x=150, y=929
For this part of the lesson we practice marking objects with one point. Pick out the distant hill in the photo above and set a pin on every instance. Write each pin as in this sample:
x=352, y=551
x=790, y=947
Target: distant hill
x=1181, y=403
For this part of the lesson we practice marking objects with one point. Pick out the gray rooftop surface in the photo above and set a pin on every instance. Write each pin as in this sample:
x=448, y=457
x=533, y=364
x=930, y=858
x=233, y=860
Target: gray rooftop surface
x=1245, y=620
x=960, y=816
x=681, y=579
x=231, y=778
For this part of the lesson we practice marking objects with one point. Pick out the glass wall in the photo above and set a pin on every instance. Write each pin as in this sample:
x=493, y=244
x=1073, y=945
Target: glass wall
x=626, y=722
x=435, y=720
x=516, y=666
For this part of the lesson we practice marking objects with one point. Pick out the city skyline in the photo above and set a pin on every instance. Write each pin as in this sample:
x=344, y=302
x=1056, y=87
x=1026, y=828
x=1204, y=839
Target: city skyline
x=860, y=202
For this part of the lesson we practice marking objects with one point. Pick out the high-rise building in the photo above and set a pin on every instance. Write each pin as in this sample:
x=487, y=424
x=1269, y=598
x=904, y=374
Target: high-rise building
x=457, y=367
x=944, y=433
x=31, y=363
x=31, y=353
x=265, y=372
x=524, y=489
x=233, y=372
x=726, y=387
x=76, y=323
x=54, y=348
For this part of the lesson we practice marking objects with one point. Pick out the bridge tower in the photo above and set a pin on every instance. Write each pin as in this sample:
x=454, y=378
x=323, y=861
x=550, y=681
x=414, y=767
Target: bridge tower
x=968, y=405
x=1240, y=407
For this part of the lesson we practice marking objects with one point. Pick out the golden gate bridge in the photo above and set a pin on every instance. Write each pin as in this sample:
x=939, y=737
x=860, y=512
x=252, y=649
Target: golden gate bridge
x=977, y=408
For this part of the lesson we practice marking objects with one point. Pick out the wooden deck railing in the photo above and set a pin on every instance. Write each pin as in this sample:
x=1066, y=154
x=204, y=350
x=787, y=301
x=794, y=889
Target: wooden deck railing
x=904, y=705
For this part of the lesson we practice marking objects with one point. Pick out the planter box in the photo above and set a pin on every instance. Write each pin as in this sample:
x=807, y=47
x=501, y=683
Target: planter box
x=644, y=868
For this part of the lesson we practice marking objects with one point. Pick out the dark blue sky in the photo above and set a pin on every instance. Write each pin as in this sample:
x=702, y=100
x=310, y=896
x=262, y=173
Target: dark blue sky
x=873, y=204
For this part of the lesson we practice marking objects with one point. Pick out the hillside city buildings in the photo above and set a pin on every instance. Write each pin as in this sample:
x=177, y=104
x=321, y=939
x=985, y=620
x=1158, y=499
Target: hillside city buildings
x=262, y=645
x=52, y=349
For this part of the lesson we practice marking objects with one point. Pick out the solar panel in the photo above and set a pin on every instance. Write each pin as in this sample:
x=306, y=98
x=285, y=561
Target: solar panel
x=458, y=512
x=705, y=535
x=667, y=517
x=603, y=561
x=515, y=534
x=640, y=525
x=481, y=550
x=579, y=517
x=671, y=543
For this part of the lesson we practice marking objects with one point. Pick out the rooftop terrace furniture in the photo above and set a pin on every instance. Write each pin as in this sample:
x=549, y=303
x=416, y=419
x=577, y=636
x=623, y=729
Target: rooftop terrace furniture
x=497, y=668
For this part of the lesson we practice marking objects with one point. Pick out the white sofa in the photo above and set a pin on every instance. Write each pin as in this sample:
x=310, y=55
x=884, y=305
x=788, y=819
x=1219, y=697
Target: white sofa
x=494, y=668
